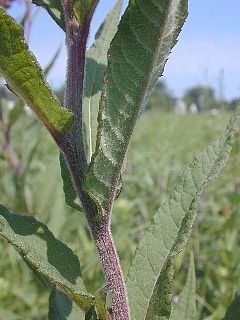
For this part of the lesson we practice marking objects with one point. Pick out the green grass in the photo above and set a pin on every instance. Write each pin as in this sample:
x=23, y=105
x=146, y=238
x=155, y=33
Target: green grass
x=162, y=146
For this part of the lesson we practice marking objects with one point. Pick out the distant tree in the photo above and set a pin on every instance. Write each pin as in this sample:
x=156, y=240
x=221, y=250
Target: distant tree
x=203, y=97
x=161, y=98
x=234, y=104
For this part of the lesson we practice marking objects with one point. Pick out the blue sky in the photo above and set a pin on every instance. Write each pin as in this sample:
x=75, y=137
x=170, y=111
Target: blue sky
x=208, y=46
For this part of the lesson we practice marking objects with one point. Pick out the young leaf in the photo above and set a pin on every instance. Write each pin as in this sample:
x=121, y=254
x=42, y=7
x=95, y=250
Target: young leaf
x=94, y=71
x=50, y=257
x=21, y=70
x=83, y=9
x=186, y=308
x=171, y=225
x=62, y=308
x=233, y=312
x=55, y=10
x=91, y=314
x=136, y=58
x=68, y=187
x=101, y=297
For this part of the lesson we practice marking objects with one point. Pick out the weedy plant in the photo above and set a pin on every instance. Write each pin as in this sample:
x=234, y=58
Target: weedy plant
x=105, y=95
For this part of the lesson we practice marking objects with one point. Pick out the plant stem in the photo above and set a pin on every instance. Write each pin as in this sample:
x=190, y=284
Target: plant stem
x=113, y=271
x=73, y=148
x=101, y=234
x=76, y=40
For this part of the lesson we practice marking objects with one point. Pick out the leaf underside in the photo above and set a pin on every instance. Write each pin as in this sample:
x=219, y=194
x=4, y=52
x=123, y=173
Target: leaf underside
x=186, y=308
x=55, y=10
x=171, y=226
x=96, y=62
x=22, y=72
x=51, y=258
x=146, y=34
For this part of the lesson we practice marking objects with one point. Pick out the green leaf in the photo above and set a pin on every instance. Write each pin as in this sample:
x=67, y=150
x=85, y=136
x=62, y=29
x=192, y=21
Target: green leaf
x=91, y=314
x=94, y=72
x=21, y=70
x=62, y=308
x=55, y=10
x=186, y=308
x=136, y=58
x=83, y=9
x=101, y=301
x=233, y=312
x=160, y=303
x=68, y=187
x=171, y=225
x=48, y=256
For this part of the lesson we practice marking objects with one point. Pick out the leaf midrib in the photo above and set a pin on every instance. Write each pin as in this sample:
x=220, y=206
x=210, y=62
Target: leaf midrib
x=141, y=98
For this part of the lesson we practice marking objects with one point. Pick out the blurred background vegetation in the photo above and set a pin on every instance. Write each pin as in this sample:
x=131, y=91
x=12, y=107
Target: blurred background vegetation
x=168, y=135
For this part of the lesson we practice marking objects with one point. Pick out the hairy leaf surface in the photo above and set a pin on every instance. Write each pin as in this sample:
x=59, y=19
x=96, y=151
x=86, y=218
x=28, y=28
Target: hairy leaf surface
x=136, y=58
x=94, y=72
x=83, y=9
x=186, y=309
x=20, y=69
x=48, y=256
x=55, y=10
x=171, y=225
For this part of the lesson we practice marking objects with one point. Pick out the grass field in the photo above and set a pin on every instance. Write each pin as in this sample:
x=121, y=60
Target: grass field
x=162, y=146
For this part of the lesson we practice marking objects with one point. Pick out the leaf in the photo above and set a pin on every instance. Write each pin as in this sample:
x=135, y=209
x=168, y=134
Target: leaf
x=21, y=70
x=160, y=303
x=146, y=34
x=91, y=314
x=233, y=312
x=101, y=301
x=186, y=308
x=171, y=225
x=83, y=9
x=50, y=257
x=62, y=308
x=68, y=187
x=94, y=72
x=55, y=10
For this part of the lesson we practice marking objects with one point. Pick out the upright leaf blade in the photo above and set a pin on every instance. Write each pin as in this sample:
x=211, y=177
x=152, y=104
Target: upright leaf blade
x=21, y=70
x=51, y=258
x=160, y=303
x=94, y=72
x=136, y=58
x=55, y=10
x=171, y=225
x=186, y=308
x=83, y=9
